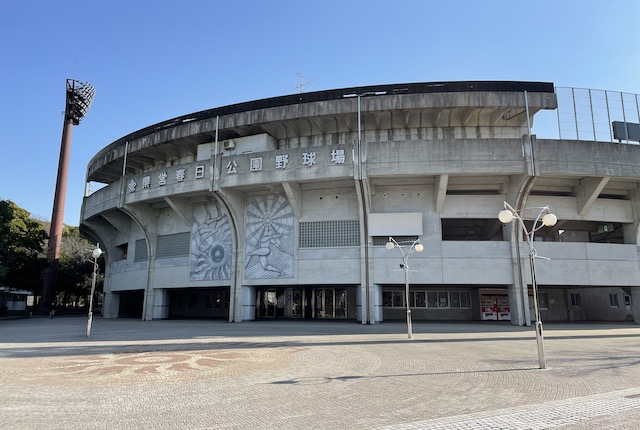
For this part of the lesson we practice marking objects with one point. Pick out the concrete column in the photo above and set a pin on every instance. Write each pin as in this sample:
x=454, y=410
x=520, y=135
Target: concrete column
x=376, y=299
x=359, y=307
x=232, y=204
x=110, y=305
x=160, y=304
x=635, y=304
x=152, y=243
x=248, y=303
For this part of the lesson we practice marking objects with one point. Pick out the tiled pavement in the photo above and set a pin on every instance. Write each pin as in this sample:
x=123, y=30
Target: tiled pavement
x=315, y=375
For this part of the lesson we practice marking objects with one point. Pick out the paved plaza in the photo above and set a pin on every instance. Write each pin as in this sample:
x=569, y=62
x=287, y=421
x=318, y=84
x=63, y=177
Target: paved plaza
x=315, y=375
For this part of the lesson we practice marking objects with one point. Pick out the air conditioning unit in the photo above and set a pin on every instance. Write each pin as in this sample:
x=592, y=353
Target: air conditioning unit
x=228, y=144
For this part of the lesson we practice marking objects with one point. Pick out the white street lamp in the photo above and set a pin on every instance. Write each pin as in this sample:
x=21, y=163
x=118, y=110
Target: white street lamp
x=544, y=219
x=413, y=246
x=97, y=252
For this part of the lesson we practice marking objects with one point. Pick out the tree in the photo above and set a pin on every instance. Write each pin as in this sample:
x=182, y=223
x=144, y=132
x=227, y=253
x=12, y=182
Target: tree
x=75, y=270
x=22, y=240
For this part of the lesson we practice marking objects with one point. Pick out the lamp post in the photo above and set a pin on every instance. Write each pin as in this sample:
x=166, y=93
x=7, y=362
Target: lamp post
x=356, y=156
x=544, y=219
x=413, y=246
x=359, y=148
x=97, y=252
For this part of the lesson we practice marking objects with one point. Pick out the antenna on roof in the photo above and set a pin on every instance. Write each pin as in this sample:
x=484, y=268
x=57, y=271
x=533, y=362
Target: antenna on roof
x=303, y=83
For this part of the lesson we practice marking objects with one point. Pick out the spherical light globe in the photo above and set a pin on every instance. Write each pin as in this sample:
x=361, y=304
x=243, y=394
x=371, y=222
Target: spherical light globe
x=419, y=247
x=390, y=245
x=505, y=216
x=96, y=253
x=549, y=220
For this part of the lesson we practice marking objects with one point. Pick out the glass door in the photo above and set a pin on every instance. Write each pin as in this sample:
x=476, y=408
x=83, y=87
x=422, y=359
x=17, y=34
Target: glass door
x=297, y=300
x=330, y=303
x=318, y=303
x=268, y=303
x=340, y=303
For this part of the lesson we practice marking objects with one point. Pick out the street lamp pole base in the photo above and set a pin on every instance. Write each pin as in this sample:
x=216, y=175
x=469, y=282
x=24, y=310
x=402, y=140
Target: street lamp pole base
x=89, y=321
x=540, y=340
x=409, y=325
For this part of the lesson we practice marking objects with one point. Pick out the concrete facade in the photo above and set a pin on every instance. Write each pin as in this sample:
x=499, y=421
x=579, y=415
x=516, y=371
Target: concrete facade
x=280, y=208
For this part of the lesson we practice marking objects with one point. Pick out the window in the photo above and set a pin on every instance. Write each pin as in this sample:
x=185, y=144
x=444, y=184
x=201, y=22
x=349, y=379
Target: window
x=398, y=301
x=469, y=229
x=575, y=300
x=465, y=299
x=420, y=299
x=122, y=251
x=455, y=299
x=443, y=299
x=543, y=300
x=432, y=299
x=393, y=299
x=428, y=299
x=613, y=300
x=387, y=299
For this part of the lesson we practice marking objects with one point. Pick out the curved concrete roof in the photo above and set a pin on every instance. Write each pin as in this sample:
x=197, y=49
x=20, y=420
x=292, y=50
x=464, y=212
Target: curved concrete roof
x=330, y=111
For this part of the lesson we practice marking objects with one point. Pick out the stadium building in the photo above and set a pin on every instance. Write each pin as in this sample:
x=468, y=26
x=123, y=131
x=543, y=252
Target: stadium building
x=282, y=207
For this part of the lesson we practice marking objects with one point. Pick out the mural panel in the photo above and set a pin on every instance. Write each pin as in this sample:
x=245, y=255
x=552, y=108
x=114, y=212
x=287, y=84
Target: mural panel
x=211, y=244
x=269, y=238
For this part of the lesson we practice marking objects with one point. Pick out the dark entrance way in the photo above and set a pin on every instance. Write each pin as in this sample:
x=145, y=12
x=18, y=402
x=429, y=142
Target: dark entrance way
x=321, y=302
x=131, y=303
x=199, y=303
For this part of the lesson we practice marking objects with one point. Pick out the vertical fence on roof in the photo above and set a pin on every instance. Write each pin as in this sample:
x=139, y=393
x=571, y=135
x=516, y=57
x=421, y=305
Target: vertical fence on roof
x=598, y=115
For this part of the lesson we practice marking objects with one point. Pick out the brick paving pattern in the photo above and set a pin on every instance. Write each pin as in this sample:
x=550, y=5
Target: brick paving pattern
x=315, y=375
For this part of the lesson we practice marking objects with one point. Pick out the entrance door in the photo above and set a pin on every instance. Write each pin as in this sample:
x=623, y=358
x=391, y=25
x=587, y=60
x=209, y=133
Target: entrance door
x=281, y=303
x=268, y=304
x=627, y=307
x=330, y=303
x=297, y=303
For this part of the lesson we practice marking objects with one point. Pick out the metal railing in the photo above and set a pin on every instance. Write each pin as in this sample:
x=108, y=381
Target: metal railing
x=593, y=115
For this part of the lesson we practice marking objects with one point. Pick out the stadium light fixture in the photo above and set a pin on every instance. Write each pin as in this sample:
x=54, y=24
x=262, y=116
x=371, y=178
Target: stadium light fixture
x=79, y=97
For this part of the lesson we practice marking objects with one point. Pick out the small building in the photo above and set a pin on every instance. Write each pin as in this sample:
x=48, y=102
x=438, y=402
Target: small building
x=14, y=301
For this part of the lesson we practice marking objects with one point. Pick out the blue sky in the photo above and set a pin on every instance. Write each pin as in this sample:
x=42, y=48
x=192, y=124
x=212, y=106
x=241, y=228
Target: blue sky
x=155, y=60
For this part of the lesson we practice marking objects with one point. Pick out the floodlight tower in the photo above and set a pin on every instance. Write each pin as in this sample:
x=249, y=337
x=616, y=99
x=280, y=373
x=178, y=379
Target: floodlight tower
x=79, y=98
